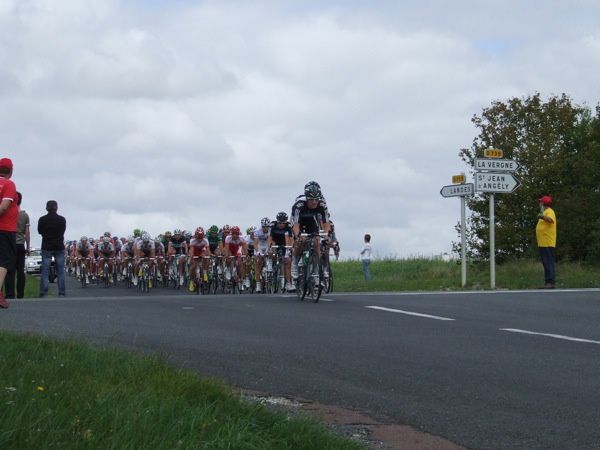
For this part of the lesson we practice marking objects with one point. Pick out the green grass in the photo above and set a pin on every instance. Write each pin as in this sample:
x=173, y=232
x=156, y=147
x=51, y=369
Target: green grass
x=421, y=274
x=71, y=396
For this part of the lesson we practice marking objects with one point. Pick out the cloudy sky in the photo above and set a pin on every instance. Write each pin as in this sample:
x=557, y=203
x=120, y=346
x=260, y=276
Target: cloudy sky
x=163, y=114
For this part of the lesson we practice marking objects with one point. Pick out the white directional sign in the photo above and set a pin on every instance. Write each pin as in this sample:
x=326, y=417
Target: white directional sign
x=457, y=190
x=495, y=182
x=496, y=165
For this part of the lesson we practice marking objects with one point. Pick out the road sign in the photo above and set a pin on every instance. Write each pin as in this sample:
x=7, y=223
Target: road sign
x=493, y=153
x=457, y=190
x=496, y=165
x=495, y=182
x=457, y=179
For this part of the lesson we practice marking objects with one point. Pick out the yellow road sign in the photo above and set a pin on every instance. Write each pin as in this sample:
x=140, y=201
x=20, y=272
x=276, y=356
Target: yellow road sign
x=493, y=153
x=459, y=179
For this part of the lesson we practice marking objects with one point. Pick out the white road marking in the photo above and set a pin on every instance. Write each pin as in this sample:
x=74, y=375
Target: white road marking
x=556, y=336
x=410, y=313
x=326, y=300
x=187, y=307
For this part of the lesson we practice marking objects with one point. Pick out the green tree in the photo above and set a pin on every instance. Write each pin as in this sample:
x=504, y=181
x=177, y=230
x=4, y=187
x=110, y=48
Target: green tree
x=557, y=145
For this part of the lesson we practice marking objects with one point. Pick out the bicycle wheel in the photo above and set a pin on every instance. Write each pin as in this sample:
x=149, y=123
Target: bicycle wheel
x=329, y=280
x=105, y=275
x=83, y=275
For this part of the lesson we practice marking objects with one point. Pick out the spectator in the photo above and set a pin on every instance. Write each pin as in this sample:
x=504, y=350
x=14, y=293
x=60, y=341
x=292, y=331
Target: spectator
x=23, y=247
x=52, y=228
x=545, y=233
x=9, y=212
x=365, y=256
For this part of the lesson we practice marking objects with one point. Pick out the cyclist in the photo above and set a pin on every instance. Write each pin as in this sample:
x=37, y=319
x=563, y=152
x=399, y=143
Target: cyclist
x=85, y=250
x=106, y=252
x=127, y=254
x=236, y=246
x=309, y=215
x=199, y=247
x=159, y=251
x=178, y=250
x=214, y=240
x=143, y=249
x=281, y=236
x=261, y=244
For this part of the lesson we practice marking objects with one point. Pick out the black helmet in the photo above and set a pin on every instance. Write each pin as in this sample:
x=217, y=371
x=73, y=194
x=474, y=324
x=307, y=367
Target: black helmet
x=312, y=183
x=282, y=217
x=313, y=191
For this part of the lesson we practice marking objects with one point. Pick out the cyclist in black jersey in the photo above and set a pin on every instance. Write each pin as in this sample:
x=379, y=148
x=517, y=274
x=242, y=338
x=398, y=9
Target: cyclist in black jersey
x=178, y=249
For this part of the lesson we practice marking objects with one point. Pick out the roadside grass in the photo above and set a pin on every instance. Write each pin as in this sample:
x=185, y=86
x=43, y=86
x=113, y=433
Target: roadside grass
x=32, y=286
x=421, y=274
x=70, y=395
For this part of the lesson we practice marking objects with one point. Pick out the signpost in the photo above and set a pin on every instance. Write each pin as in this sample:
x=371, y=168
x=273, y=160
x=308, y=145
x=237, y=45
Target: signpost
x=460, y=190
x=496, y=182
x=494, y=175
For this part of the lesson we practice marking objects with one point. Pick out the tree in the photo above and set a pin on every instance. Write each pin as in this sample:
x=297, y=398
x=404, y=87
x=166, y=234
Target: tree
x=557, y=145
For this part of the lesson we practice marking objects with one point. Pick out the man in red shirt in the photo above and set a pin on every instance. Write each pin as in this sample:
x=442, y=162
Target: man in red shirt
x=9, y=213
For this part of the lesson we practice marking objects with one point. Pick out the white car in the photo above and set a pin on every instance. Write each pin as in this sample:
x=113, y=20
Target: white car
x=33, y=262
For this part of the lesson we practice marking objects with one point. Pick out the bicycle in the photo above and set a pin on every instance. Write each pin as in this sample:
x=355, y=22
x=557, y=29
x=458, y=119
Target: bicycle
x=232, y=279
x=310, y=269
x=279, y=273
x=327, y=272
x=83, y=273
x=144, y=275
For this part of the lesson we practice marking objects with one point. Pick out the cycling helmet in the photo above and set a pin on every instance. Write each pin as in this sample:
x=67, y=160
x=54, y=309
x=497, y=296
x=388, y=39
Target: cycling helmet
x=107, y=234
x=157, y=240
x=187, y=234
x=199, y=233
x=137, y=232
x=313, y=192
x=265, y=222
x=312, y=183
x=177, y=232
x=235, y=230
x=282, y=217
x=168, y=234
x=84, y=238
x=250, y=230
x=226, y=228
x=146, y=237
x=213, y=229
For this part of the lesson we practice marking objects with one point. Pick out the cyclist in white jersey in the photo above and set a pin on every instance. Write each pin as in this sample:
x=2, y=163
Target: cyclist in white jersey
x=262, y=242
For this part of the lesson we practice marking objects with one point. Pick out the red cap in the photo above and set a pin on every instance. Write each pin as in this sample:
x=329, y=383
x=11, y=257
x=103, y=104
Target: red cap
x=546, y=200
x=5, y=162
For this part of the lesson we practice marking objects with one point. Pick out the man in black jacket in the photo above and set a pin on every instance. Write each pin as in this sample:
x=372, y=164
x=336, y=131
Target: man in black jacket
x=52, y=228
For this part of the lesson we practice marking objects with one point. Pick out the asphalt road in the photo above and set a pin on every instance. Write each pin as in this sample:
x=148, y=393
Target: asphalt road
x=468, y=367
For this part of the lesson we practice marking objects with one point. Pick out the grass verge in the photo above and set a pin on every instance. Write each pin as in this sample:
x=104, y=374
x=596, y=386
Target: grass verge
x=434, y=275
x=69, y=395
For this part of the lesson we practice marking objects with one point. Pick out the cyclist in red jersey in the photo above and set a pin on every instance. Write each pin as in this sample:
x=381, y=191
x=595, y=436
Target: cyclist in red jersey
x=235, y=245
x=198, y=248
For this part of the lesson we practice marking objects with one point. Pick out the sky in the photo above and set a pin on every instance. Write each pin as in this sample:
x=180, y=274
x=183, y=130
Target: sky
x=177, y=114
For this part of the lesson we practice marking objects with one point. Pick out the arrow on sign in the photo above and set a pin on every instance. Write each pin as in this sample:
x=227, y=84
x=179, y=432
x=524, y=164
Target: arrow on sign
x=496, y=182
x=457, y=190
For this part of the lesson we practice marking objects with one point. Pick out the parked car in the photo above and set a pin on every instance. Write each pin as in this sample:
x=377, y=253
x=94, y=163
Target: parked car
x=33, y=262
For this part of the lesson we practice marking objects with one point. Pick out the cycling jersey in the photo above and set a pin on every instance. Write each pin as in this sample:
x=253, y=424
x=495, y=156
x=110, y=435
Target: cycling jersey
x=178, y=245
x=262, y=238
x=145, y=247
x=84, y=250
x=159, y=249
x=309, y=219
x=106, y=249
x=198, y=246
x=278, y=234
x=234, y=245
x=213, y=241
x=127, y=250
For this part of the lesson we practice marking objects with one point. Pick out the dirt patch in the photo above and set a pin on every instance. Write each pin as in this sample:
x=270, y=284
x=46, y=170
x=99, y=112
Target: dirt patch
x=356, y=425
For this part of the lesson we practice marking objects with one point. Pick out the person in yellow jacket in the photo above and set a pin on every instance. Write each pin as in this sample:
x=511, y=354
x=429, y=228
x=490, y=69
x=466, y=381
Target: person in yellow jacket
x=545, y=232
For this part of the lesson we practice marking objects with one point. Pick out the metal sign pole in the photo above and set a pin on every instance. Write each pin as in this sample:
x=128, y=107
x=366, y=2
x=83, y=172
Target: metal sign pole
x=492, y=245
x=463, y=242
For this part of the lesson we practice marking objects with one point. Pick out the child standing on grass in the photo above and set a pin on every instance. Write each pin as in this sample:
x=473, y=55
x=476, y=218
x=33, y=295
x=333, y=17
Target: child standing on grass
x=365, y=256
